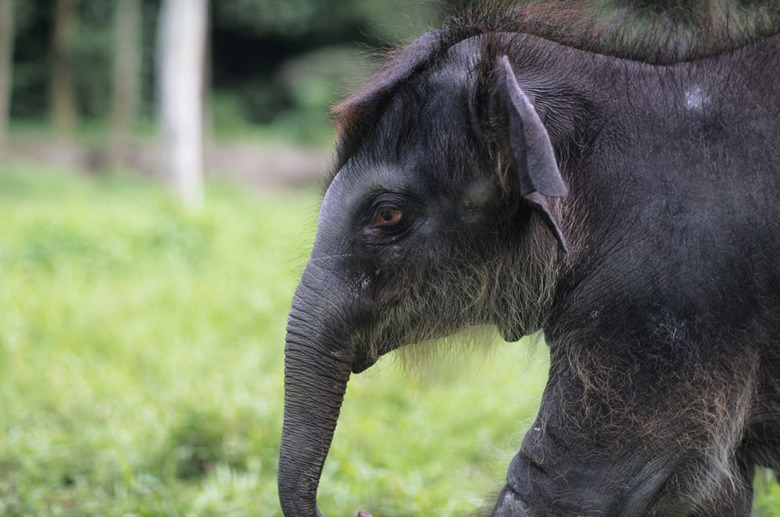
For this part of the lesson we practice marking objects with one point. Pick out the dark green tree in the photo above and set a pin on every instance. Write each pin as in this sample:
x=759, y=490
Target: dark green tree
x=6, y=64
x=63, y=82
x=127, y=79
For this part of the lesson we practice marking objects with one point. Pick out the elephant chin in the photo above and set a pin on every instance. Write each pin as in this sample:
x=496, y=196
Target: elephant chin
x=362, y=362
x=511, y=332
x=510, y=505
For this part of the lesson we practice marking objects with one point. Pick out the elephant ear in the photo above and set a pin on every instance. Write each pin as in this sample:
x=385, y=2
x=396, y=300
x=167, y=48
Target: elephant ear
x=537, y=170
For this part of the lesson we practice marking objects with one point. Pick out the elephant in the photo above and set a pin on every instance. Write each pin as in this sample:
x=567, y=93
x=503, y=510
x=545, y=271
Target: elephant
x=608, y=181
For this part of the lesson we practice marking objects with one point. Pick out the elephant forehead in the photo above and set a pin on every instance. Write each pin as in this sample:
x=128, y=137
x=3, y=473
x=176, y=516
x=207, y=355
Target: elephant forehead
x=363, y=177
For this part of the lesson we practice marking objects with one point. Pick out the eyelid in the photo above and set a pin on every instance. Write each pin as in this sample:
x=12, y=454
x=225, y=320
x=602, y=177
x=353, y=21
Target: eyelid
x=388, y=198
x=385, y=201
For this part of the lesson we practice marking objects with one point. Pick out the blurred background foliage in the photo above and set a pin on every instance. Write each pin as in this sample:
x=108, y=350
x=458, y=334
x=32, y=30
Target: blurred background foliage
x=141, y=344
x=276, y=65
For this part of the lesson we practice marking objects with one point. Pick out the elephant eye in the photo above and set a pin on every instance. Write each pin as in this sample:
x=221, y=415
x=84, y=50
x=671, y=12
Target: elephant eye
x=387, y=217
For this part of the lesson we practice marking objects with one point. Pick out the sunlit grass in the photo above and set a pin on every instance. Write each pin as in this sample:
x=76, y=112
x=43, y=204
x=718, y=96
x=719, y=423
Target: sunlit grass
x=140, y=345
x=141, y=366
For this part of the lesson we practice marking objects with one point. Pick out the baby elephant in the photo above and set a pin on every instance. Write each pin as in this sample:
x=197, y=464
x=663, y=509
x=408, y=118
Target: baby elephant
x=610, y=179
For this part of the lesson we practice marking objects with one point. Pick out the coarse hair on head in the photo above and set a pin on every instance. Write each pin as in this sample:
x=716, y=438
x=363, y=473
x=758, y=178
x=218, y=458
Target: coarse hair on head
x=653, y=32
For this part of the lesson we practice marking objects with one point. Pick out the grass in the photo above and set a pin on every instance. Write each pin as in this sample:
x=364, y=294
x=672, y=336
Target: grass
x=141, y=353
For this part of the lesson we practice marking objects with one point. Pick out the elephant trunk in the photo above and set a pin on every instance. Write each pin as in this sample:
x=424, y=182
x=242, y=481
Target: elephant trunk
x=315, y=379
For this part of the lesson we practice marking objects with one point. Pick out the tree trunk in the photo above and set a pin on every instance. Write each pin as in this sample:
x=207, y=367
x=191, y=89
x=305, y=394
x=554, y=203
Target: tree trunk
x=6, y=65
x=181, y=60
x=63, y=87
x=127, y=79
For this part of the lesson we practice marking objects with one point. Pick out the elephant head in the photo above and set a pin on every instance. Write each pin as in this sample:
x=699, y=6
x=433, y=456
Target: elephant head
x=435, y=221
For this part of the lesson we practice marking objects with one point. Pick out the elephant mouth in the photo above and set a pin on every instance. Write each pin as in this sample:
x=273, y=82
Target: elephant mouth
x=362, y=361
x=366, y=356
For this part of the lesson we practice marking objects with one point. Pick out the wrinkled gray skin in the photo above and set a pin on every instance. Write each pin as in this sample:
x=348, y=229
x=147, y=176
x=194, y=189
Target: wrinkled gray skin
x=662, y=318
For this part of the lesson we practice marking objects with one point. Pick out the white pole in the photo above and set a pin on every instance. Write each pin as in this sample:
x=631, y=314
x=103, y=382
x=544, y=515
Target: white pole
x=181, y=55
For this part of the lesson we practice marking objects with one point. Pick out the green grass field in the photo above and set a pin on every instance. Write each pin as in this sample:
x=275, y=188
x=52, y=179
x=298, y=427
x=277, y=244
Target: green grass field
x=141, y=366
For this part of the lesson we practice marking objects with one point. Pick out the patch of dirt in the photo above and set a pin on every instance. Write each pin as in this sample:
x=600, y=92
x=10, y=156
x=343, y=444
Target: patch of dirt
x=258, y=165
